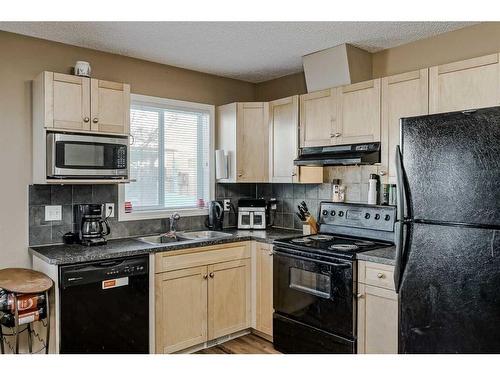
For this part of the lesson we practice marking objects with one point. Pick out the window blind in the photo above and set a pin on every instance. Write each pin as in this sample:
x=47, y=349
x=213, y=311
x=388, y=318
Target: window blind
x=169, y=157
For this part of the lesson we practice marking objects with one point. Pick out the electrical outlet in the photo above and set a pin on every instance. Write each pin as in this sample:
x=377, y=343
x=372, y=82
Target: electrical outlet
x=110, y=210
x=53, y=213
x=227, y=204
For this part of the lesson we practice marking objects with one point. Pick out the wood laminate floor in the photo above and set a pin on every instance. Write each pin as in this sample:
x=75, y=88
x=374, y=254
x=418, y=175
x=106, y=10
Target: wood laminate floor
x=248, y=344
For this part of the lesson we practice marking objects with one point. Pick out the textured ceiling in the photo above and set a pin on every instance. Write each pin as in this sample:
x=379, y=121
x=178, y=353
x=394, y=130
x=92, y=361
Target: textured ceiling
x=250, y=51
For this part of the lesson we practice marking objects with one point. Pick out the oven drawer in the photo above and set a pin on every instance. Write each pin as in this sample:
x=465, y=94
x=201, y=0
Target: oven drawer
x=375, y=274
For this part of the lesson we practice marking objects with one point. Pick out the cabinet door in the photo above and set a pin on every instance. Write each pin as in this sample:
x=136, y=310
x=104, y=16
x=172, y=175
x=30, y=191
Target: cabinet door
x=252, y=142
x=229, y=298
x=467, y=84
x=318, y=116
x=181, y=309
x=403, y=95
x=377, y=320
x=283, y=139
x=67, y=101
x=110, y=107
x=265, y=289
x=359, y=113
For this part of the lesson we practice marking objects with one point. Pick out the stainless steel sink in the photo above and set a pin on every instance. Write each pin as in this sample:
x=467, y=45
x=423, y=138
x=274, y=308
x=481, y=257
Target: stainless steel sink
x=159, y=239
x=202, y=235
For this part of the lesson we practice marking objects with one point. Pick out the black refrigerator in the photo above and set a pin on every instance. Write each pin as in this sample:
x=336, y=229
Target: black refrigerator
x=447, y=272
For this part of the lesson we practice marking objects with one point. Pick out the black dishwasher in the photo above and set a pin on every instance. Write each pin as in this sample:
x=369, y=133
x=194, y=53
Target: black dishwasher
x=104, y=306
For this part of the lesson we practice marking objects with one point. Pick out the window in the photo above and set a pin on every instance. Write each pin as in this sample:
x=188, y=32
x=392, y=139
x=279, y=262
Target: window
x=170, y=158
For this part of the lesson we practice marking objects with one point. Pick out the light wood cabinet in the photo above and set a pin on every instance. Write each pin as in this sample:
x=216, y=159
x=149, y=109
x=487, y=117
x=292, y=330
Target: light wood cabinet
x=229, y=298
x=358, y=113
x=264, y=286
x=243, y=133
x=466, y=84
x=377, y=309
x=283, y=139
x=318, y=118
x=403, y=95
x=181, y=309
x=110, y=107
x=201, y=294
x=67, y=102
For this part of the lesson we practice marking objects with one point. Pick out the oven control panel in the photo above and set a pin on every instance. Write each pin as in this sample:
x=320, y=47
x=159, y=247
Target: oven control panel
x=353, y=215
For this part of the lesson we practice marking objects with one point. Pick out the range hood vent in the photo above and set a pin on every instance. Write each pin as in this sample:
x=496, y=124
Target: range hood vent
x=336, y=66
x=356, y=154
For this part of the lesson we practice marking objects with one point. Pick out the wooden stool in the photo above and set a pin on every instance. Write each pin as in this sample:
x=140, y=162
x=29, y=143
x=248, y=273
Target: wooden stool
x=25, y=281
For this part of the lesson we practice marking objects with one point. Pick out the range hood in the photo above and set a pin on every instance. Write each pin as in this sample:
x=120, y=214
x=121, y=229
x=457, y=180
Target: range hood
x=356, y=154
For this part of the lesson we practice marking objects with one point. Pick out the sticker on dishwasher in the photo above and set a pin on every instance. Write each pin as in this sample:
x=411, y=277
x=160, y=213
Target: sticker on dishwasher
x=114, y=283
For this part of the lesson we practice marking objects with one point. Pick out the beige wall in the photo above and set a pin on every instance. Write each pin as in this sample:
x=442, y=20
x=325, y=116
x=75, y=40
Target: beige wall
x=472, y=41
x=21, y=60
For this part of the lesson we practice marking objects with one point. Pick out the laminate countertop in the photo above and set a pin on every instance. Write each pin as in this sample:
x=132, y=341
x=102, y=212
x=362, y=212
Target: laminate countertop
x=69, y=254
x=386, y=255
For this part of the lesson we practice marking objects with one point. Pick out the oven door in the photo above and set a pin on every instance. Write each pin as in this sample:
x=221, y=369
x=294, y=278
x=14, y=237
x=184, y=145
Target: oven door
x=318, y=293
x=72, y=155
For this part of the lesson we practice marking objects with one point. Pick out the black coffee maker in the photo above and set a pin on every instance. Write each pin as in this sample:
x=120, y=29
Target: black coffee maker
x=215, y=216
x=91, y=227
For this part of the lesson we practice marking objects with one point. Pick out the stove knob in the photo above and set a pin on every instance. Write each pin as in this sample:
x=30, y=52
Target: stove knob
x=387, y=217
x=377, y=216
x=325, y=212
x=332, y=212
x=367, y=215
x=341, y=213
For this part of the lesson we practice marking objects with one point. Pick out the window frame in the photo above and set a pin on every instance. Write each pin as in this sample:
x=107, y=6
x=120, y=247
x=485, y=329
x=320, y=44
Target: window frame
x=159, y=214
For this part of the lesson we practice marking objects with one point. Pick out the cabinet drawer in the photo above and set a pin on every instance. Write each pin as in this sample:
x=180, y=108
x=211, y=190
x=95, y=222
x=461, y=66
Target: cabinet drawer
x=375, y=274
x=201, y=256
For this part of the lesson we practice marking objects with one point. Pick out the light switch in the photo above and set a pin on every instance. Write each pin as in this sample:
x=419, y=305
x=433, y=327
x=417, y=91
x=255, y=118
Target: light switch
x=53, y=213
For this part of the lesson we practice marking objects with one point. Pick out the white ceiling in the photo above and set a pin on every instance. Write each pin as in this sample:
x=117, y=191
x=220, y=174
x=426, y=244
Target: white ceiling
x=250, y=51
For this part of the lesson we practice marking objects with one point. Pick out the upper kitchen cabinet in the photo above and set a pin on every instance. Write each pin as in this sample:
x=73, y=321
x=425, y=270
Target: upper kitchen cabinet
x=73, y=103
x=403, y=95
x=466, y=84
x=110, y=106
x=243, y=134
x=62, y=101
x=318, y=117
x=358, y=113
x=283, y=139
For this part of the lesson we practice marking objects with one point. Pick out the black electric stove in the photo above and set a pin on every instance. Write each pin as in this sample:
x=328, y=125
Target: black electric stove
x=314, y=278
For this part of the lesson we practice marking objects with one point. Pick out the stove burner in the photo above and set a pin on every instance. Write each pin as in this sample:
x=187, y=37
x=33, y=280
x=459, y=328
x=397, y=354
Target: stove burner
x=301, y=240
x=321, y=237
x=343, y=247
x=364, y=243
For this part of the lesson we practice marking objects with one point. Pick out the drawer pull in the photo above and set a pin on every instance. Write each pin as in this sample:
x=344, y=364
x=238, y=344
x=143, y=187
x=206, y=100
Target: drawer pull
x=380, y=275
x=211, y=275
x=205, y=277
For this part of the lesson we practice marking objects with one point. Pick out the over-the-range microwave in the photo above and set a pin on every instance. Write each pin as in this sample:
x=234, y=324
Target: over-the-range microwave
x=87, y=156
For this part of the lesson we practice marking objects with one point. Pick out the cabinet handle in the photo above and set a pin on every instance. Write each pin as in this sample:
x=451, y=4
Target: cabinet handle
x=382, y=173
x=211, y=275
x=294, y=174
x=337, y=135
x=240, y=174
x=86, y=119
x=359, y=295
x=271, y=253
x=95, y=120
x=205, y=277
x=380, y=275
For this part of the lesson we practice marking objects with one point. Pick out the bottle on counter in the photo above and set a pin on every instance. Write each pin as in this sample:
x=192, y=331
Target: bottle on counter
x=373, y=184
x=24, y=302
x=27, y=316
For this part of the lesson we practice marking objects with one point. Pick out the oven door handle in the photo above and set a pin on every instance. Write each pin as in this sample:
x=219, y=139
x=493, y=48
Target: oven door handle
x=285, y=254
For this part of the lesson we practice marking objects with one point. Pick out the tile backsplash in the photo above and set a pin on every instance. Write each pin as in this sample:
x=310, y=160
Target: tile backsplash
x=355, y=179
x=42, y=232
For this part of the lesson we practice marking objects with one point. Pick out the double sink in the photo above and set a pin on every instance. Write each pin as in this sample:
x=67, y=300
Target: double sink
x=199, y=235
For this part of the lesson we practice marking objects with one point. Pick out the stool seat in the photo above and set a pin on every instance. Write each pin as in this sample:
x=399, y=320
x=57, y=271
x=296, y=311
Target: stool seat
x=23, y=280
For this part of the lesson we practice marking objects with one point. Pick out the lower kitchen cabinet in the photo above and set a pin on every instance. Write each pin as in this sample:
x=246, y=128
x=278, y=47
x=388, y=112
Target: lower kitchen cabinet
x=181, y=309
x=264, y=292
x=377, y=309
x=201, y=302
x=229, y=298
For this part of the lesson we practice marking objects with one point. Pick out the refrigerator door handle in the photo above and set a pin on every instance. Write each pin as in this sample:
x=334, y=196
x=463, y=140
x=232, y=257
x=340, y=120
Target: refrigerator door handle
x=399, y=236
